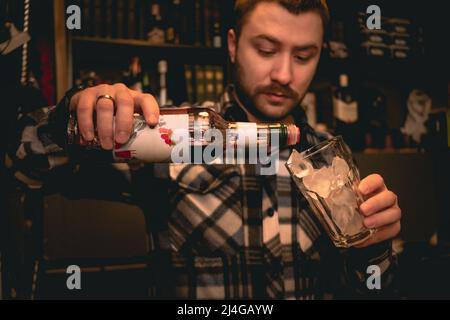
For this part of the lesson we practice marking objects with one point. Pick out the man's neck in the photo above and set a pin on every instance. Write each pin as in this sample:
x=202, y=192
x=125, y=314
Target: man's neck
x=289, y=119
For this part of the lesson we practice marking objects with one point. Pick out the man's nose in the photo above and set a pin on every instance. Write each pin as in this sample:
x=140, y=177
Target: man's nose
x=282, y=70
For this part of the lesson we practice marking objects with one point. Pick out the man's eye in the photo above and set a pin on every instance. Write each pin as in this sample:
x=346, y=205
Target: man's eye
x=302, y=58
x=266, y=53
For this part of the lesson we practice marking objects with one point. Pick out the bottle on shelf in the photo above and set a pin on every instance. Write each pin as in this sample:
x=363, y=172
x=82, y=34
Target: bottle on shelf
x=337, y=44
x=345, y=111
x=194, y=131
x=156, y=30
x=162, y=70
x=375, y=125
x=133, y=77
x=146, y=83
x=174, y=22
x=88, y=78
x=216, y=25
x=309, y=104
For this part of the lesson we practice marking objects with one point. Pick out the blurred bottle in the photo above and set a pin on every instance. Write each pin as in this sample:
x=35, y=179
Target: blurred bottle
x=374, y=107
x=88, y=79
x=173, y=22
x=156, y=30
x=162, y=70
x=309, y=104
x=217, y=27
x=133, y=77
x=436, y=138
x=337, y=46
x=156, y=144
x=345, y=111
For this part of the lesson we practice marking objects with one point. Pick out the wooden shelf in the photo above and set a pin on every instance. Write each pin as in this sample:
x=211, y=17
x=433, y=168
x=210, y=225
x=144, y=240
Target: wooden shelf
x=374, y=68
x=144, y=43
x=101, y=53
x=390, y=151
x=402, y=151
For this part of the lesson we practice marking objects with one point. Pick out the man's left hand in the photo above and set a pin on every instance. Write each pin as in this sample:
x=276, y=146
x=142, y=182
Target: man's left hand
x=381, y=210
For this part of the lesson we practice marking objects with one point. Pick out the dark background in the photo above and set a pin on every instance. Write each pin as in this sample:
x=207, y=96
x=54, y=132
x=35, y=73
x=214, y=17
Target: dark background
x=113, y=246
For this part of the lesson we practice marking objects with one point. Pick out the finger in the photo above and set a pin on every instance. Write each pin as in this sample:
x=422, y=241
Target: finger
x=148, y=106
x=371, y=184
x=384, y=218
x=85, y=110
x=105, y=114
x=124, y=115
x=73, y=103
x=378, y=202
x=385, y=233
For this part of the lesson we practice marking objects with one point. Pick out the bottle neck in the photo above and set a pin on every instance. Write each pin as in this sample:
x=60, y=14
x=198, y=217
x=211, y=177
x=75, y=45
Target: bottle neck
x=288, y=134
x=293, y=135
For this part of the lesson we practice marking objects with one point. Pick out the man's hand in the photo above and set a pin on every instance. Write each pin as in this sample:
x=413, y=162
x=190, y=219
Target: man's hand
x=381, y=209
x=127, y=101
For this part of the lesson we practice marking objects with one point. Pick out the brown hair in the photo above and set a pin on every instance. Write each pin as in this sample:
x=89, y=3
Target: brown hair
x=243, y=8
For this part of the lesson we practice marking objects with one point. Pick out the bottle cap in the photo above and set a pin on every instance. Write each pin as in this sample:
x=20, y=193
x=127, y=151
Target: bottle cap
x=155, y=9
x=162, y=66
x=293, y=135
x=343, y=80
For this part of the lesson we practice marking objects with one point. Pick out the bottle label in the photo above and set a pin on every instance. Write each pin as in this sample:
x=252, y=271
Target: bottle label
x=155, y=9
x=245, y=133
x=217, y=42
x=152, y=144
x=346, y=112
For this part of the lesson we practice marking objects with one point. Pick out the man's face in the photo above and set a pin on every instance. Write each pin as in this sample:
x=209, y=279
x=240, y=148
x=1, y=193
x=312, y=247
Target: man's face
x=275, y=59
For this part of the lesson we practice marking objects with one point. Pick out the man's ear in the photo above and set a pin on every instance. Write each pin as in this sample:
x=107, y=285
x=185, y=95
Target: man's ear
x=232, y=44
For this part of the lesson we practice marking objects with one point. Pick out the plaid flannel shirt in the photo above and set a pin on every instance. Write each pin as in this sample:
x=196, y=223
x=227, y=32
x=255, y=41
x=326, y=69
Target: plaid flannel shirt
x=225, y=231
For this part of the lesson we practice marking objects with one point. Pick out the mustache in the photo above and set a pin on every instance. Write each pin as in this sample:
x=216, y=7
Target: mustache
x=278, y=89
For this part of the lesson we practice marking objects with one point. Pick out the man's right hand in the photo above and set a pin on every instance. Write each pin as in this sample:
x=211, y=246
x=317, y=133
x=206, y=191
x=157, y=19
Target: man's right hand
x=127, y=101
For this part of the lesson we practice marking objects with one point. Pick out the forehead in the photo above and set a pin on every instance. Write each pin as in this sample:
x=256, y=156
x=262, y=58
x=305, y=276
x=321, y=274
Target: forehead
x=274, y=20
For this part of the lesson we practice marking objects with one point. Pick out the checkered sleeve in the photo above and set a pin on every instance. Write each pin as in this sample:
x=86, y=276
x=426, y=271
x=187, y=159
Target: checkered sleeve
x=206, y=217
x=32, y=150
x=37, y=141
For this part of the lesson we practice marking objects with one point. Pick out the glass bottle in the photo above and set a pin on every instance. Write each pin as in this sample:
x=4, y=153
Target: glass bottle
x=188, y=135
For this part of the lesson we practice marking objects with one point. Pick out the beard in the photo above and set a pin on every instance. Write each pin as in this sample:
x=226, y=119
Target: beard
x=249, y=99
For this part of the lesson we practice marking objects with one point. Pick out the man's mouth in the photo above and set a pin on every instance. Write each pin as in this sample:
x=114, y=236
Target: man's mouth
x=275, y=97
